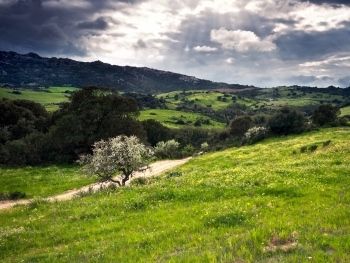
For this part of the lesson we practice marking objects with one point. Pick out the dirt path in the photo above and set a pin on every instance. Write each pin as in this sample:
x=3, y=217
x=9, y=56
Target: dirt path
x=156, y=169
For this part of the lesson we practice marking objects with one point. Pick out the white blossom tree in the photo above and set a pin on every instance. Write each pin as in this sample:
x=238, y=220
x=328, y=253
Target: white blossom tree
x=120, y=154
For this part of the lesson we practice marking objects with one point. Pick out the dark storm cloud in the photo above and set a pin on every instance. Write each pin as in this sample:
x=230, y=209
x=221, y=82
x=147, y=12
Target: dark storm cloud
x=27, y=3
x=47, y=27
x=331, y=2
x=98, y=24
x=246, y=42
x=299, y=45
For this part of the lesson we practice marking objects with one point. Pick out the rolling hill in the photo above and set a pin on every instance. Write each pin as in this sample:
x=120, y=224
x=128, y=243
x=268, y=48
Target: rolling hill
x=268, y=202
x=33, y=71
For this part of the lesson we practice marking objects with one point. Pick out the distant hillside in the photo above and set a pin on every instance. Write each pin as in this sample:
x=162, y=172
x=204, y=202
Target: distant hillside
x=31, y=70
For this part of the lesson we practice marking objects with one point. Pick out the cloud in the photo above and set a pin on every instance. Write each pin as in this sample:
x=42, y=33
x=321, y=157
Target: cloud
x=204, y=48
x=239, y=40
x=313, y=46
x=230, y=60
x=98, y=24
x=140, y=44
x=51, y=27
x=345, y=81
x=259, y=42
x=302, y=79
x=331, y=2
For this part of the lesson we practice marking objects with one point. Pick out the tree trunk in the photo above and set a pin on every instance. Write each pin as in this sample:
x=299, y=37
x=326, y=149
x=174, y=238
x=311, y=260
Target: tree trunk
x=115, y=181
x=126, y=178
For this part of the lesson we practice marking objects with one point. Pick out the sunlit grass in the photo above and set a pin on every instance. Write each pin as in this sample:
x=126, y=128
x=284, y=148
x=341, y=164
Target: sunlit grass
x=50, y=100
x=42, y=181
x=62, y=89
x=261, y=203
x=203, y=98
x=169, y=118
x=292, y=97
x=345, y=111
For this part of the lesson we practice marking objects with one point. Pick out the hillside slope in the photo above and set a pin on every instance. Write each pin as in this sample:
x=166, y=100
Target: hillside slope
x=31, y=70
x=269, y=202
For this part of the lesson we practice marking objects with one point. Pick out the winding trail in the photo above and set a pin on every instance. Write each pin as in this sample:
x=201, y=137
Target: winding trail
x=155, y=169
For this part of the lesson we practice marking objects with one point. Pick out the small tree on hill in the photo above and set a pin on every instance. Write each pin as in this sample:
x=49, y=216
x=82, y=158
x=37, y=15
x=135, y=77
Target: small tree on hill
x=287, y=121
x=156, y=131
x=325, y=114
x=120, y=154
x=239, y=125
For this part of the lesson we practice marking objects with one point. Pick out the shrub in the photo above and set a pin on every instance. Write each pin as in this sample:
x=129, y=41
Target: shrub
x=256, y=134
x=166, y=149
x=240, y=125
x=287, y=121
x=343, y=121
x=188, y=150
x=326, y=114
x=204, y=146
x=156, y=132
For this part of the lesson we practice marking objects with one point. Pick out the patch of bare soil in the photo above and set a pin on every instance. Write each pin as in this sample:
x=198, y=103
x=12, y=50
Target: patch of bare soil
x=276, y=243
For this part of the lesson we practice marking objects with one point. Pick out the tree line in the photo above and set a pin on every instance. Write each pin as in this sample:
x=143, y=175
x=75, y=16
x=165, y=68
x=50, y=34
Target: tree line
x=29, y=135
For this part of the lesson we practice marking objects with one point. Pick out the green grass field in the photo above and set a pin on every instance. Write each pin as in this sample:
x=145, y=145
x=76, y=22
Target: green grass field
x=169, y=118
x=42, y=181
x=50, y=97
x=203, y=98
x=267, y=97
x=293, y=97
x=267, y=202
x=345, y=111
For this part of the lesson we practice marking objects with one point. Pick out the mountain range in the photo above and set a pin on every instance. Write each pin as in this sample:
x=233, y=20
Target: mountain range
x=33, y=71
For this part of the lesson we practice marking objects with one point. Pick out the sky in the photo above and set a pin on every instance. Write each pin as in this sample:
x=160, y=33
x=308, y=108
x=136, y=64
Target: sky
x=266, y=43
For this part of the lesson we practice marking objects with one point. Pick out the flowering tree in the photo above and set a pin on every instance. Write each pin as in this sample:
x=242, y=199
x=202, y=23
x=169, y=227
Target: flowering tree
x=256, y=134
x=120, y=154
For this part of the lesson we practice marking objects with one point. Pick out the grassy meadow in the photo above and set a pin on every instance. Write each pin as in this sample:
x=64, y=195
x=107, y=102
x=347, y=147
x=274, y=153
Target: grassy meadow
x=291, y=96
x=281, y=200
x=203, y=98
x=345, y=111
x=50, y=97
x=265, y=97
x=170, y=117
x=39, y=182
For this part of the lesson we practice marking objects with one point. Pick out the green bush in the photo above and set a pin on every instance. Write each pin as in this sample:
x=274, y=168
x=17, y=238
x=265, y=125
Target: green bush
x=256, y=134
x=240, y=125
x=287, y=121
x=168, y=149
